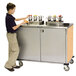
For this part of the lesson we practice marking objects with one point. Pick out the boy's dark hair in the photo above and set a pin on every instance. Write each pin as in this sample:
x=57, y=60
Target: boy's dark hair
x=10, y=6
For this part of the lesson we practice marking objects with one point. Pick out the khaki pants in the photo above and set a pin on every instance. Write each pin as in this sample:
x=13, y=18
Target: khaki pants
x=13, y=50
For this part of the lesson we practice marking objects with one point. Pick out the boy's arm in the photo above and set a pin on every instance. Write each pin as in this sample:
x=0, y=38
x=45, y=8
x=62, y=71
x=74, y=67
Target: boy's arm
x=18, y=19
x=17, y=26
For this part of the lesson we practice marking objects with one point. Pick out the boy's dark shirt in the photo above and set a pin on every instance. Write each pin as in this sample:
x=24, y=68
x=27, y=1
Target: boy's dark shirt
x=10, y=22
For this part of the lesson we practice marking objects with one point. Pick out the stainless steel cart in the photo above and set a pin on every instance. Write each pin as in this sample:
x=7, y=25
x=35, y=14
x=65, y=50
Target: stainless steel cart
x=45, y=43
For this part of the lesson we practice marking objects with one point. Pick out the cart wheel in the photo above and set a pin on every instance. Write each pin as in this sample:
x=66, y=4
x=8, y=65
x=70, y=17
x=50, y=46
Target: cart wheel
x=66, y=68
x=20, y=63
x=73, y=56
x=71, y=61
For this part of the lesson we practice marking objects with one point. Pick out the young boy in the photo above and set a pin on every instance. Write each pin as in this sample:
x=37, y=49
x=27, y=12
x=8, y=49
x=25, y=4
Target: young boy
x=12, y=37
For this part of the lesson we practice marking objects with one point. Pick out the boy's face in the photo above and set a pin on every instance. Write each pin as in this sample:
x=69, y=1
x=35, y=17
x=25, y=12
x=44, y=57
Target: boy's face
x=12, y=10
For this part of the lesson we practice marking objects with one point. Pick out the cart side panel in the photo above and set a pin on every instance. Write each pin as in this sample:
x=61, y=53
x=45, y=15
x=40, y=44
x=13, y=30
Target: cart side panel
x=69, y=43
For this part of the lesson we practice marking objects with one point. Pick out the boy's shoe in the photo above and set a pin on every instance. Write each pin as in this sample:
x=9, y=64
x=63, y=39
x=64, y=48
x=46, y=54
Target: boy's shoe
x=10, y=69
x=17, y=67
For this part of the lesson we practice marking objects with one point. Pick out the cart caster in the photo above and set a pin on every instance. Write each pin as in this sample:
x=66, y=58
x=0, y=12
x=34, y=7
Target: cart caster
x=73, y=56
x=71, y=61
x=20, y=63
x=66, y=68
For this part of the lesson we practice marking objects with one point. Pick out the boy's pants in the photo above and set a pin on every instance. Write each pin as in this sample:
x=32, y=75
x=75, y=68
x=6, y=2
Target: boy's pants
x=13, y=50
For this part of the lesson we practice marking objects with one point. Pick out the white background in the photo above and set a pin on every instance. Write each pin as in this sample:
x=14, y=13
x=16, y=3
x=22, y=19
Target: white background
x=39, y=7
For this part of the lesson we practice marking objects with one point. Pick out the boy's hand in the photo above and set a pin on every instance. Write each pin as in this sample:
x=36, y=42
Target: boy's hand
x=25, y=21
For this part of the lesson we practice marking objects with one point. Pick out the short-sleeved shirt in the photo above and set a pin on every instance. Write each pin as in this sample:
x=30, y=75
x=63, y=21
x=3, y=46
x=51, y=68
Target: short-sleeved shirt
x=10, y=22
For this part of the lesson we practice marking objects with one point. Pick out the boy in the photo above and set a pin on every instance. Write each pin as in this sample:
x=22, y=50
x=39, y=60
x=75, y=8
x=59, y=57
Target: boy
x=12, y=37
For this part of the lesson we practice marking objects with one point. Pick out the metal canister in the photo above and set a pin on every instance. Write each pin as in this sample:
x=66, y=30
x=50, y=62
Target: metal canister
x=54, y=18
x=30, y=18
x=60, y=18
x=40, y=18
x=35, y=17
x=49, y=18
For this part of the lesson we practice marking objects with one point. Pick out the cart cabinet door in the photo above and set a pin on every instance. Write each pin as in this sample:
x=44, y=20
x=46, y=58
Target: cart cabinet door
x=29, y=43
x=53, y=45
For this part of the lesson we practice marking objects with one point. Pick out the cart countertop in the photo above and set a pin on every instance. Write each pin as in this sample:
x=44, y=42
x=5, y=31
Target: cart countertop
x=46, y=26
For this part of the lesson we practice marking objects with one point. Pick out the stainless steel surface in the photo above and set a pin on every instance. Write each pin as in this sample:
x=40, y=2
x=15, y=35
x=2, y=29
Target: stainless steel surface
x=66, y=46
x=33, y=23
x=53, y=45
x=49, y=23
x=36, y=25
x=43, y=43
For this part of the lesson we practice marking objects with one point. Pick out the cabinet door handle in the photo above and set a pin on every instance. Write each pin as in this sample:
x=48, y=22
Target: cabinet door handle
x=42, y=30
